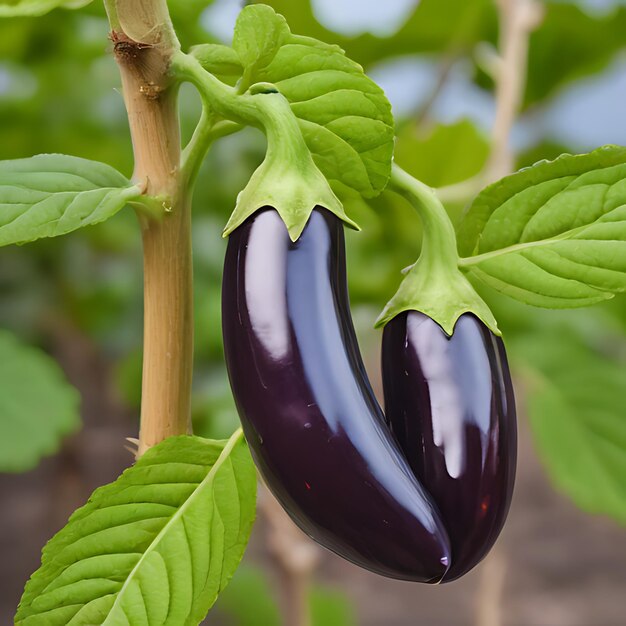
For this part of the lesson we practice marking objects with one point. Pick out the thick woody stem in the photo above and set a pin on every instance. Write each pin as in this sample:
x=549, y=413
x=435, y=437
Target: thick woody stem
x=144, y=43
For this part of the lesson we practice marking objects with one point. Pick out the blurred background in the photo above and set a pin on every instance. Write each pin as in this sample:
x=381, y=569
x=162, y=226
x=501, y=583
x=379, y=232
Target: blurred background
x=561, y=560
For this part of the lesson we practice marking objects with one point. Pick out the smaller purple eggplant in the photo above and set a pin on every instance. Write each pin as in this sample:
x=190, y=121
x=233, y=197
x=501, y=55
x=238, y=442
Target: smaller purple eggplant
x=449, y=401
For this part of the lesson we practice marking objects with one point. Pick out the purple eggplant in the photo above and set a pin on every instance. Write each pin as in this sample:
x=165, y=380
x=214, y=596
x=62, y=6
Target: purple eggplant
x=312, y=422
x=449, y=401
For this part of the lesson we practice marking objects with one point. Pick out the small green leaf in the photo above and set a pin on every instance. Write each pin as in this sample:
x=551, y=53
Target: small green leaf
x=53, y=194
x=14, y=8
x=37, y=405
x=259, y=33
x=218, y=59
x=553, y=234
x=156, y=546
x=576, y=414
x=585, y=42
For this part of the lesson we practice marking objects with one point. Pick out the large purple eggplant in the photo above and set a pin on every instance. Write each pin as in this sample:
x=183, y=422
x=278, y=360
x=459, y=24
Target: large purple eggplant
x=449, y=401
x=309, y=414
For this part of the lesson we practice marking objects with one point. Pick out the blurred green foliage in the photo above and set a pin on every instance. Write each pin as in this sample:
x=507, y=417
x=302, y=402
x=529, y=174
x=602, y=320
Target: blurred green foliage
x=444, y=154
x=575, y=395
x=427, y=30
x=37, y=406
x=249, y=601
x=571, y=44
x=59, y=93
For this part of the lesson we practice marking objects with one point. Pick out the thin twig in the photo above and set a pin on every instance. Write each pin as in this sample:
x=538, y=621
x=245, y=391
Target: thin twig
x=459, y=192
x=491, y=585
x=445, y=67
x=195, y=151
x=518, y=19
x=295, y=558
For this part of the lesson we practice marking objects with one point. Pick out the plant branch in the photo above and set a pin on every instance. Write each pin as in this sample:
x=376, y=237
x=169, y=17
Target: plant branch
x=223, y=100
x=445, y=67
x=144, y=43
x=460, y=192
x=295, y=558
x=490, y=588
x=205, y=134
x=518, y=19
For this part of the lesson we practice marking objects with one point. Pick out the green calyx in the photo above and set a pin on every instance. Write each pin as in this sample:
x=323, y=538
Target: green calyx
x=435, y=285
x=288, y=179
x=442, y=295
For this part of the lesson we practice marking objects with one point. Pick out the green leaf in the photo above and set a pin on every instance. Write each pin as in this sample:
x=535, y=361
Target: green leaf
x=576, y=414
x=153, y=548
x=53, y=194
x=37, y=405
x=218, y=59
x=259, y=33
x=553, y=234
x=344, y=116
x=13, y=8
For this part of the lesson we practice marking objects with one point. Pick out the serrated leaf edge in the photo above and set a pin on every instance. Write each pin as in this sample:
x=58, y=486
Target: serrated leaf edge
x=83, y=511
x=543, y=168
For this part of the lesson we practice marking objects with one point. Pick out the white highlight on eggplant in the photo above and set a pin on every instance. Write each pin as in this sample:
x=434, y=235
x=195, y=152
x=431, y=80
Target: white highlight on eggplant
x=456, y=397
x=445, y=402
x=266, y=289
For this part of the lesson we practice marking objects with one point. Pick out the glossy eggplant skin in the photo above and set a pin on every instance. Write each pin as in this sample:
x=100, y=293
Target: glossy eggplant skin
x=450, y=403
x=313, y=425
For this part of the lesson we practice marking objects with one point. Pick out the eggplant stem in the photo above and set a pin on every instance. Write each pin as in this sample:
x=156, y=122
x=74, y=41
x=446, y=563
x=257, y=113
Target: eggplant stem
x=439, y=246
